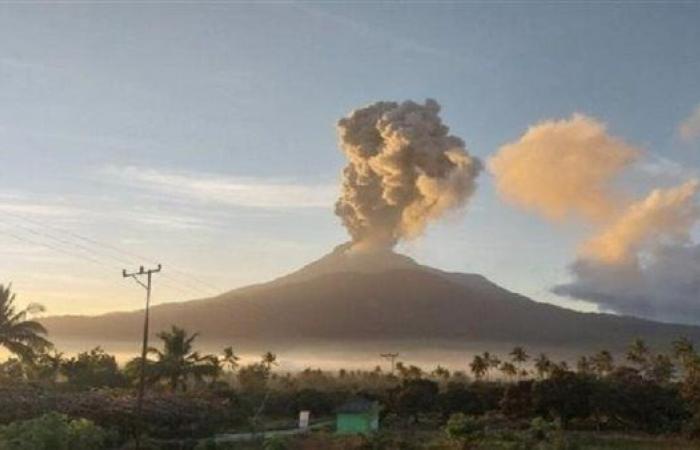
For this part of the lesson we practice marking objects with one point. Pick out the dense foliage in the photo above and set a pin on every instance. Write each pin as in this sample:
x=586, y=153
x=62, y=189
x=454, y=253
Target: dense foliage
x=54, y=432
x=517, y=399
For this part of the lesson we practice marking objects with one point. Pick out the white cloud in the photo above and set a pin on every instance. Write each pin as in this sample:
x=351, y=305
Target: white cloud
x=689, y=129
x=13, y=202
x=215, y=188
x=660, y=167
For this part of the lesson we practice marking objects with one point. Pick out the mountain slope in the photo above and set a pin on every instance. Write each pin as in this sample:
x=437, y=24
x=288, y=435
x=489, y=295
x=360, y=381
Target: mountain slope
x=376, y=296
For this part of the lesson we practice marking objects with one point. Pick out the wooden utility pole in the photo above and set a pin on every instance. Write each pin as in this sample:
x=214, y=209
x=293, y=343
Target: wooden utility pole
x=392, y=358
x=144, y=350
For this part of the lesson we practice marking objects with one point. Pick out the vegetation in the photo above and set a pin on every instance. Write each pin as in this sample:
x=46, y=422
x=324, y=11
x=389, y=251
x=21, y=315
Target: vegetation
x=642, y=399
x=19, y=335
x=53, y=431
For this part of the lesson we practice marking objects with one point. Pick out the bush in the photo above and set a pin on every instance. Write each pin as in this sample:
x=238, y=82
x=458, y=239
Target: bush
x=461, y=427
x=53, y=432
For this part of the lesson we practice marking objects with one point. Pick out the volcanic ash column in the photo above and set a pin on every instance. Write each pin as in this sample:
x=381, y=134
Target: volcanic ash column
x=404, y=170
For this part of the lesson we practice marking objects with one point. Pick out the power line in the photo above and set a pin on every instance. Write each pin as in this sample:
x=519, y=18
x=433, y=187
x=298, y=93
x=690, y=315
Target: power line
x=110, y=267
x=132, y=256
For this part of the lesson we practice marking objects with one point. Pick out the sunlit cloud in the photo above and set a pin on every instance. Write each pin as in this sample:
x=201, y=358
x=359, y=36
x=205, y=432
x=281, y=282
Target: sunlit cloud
x=689, y=128
x=215, y=188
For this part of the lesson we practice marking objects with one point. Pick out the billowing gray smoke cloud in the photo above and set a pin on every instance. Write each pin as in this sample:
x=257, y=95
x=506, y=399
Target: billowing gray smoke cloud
x=404, y=170
x=664, y=287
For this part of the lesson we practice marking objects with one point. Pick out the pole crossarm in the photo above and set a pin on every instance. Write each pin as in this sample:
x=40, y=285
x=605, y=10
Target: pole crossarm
x=144, y=350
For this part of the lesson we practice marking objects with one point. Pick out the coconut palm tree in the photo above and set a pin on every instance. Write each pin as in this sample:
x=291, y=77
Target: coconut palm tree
x=441, y=372
x=478, y=366
x=492, y=362
x=269, y=359
x=230, y=359
x=19, y=335
x=543, y=365
x=509, y=370
x=519, y=356
x=177, y=362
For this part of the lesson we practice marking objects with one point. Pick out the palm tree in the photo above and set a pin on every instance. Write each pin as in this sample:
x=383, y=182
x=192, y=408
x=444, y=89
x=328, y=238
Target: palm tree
x=519, y=356
x=269, y=359
x=441, y=372
x=17, y=334
x=509, y=370
x=177, y=362
x=230, y=359
x=492, y=362
x=543, y=365
x=478, y=367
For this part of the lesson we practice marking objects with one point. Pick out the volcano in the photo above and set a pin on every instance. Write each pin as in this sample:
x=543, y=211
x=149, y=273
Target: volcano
x=350, y=297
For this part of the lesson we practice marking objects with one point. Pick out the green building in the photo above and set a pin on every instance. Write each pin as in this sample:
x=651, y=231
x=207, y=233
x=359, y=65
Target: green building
x=358, y=416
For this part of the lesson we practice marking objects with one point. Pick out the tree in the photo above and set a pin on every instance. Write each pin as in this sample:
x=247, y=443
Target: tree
x=93, y=369
x=684, y=352
x=230, y=359
x=458, y=397
x=543, y=365
x=269, y=359
x=517, y=399
x=565, y=395
x=519, y=357
x=253, y=378
x=177, y=362
x=661, y=369
x=602, y=363
x=415, y=396
x=583, y=366
x=509, y=370
x=46, y=366
x=492, y=362
x=441, y=372
x=478, y=366
x=19, y=335
x=638, y=355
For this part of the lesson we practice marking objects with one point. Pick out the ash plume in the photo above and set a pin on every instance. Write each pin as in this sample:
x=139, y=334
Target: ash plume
x=563, y=168
x=404, y=170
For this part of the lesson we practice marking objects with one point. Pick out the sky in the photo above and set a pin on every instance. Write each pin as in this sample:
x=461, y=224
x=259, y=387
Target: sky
x=202, y=135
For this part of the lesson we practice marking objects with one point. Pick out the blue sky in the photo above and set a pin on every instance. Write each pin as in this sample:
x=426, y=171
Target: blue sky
x=202, y=135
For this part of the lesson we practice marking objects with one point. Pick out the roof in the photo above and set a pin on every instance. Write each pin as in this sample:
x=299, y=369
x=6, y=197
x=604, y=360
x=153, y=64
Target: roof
x=357, y=405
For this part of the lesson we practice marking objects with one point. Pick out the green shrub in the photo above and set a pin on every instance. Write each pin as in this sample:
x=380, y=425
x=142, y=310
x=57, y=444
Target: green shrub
x=462, y=427
x=53, y=432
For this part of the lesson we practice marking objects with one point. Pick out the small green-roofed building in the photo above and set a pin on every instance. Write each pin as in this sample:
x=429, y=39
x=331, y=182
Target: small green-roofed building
x=358, y=416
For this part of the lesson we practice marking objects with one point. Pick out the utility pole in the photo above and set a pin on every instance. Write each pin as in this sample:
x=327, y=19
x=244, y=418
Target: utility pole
x=392, y=358
x=142, y=376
